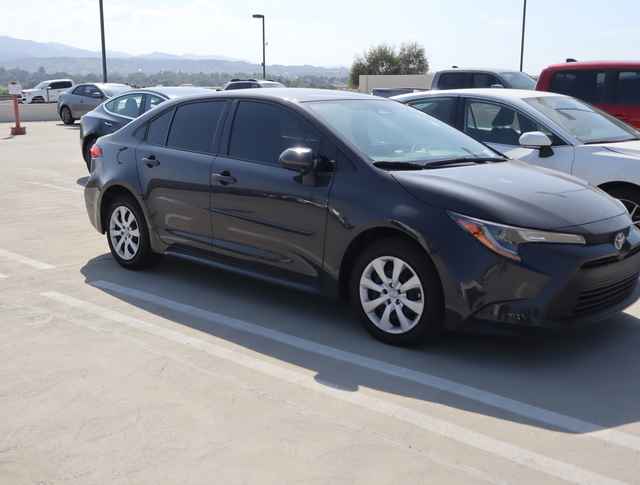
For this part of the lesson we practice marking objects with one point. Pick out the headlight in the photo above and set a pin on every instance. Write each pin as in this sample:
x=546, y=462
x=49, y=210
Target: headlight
x=505, y=240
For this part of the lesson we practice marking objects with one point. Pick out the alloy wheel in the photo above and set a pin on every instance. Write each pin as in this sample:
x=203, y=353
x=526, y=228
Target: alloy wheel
x=391, y=294
x=634, y=210
x=124, y=232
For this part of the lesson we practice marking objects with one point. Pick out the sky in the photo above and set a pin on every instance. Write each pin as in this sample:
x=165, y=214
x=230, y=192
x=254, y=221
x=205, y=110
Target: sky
x=467, y=33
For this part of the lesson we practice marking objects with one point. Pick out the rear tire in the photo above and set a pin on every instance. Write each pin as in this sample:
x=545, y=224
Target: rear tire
x=66, y=116
x=403, y=306
x=128, y=234
x=630, y=197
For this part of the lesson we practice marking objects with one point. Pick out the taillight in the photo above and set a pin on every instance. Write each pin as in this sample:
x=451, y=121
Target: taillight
x=96, y=151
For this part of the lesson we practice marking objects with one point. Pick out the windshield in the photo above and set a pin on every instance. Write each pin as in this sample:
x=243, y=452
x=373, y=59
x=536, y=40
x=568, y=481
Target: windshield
x=42, y=85
x=392, y=132
x=587, y=124
x=519, y=80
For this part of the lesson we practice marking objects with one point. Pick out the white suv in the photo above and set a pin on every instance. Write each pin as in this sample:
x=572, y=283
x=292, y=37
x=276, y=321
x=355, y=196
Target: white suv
x=47, y=91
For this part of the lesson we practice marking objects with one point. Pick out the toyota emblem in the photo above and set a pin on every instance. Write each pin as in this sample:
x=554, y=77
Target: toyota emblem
x=619, y=240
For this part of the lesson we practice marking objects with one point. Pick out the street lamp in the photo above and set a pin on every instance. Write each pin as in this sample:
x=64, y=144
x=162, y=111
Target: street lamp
x=264, y=65
x=524, y=20
x=104, y=52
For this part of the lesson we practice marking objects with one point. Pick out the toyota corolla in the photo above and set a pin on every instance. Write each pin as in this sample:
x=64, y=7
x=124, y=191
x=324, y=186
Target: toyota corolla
x=416, y=224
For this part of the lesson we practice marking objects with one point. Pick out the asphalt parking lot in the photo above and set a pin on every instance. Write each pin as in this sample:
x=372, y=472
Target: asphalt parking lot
x=184, y=374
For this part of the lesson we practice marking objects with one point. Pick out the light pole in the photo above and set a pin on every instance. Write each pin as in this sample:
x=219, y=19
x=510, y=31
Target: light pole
x=264, y=65
x=104, y=52
x=524, y=22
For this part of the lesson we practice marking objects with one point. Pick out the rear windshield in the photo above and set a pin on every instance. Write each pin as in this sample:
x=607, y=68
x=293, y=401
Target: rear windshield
x=586, y=123
x=114, y=89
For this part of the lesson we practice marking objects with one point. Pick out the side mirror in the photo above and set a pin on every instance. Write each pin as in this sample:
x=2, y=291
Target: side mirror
x=497, y=86
x=299, y=159
x=538, y=141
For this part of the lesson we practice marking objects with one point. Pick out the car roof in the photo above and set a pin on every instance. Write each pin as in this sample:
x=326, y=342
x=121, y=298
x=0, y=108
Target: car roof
x=595, y=65
x=476, y=69
x=175, y=91
x=493, y=93
x=294, y=95
x=56, y=80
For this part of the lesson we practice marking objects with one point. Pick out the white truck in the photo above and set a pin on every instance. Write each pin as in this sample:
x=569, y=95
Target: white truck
x=46, y=91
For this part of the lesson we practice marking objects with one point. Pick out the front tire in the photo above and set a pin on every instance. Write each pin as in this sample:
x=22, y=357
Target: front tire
x=630, y=197
x=66, y=116
x=128, y=235
x=396, y=291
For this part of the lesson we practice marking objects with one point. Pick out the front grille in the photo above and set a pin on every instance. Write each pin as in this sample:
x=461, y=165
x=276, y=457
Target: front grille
x=593, y=300
x=610, y=259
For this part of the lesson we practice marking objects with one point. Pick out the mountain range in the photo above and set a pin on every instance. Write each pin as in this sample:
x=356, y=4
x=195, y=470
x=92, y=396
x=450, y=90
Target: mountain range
x=54, y=57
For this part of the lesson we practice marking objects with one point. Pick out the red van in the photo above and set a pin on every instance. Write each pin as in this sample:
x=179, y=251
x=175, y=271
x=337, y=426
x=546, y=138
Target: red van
x=612, y=86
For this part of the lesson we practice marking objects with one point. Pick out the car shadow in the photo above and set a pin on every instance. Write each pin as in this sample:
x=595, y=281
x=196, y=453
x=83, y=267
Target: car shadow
x=587, y=374
x=74, y=126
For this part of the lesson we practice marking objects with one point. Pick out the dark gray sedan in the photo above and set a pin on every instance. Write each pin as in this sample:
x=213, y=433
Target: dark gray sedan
x=120, y=110
x=84, y=97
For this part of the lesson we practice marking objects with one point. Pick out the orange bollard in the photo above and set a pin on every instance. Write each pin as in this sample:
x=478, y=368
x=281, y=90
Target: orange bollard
x=17, y=129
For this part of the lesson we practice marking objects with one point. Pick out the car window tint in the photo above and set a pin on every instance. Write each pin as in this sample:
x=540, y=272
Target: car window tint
x=493, y=123
x=158, y=128
x=454, y=80
x=194, y=126
x=483, y=80
x=441, y=108
x=129, y=106
x=154, y=101
x=586, y=85
x=80, y=90
x=628, y=88
x=261, y=132
x=92, y=91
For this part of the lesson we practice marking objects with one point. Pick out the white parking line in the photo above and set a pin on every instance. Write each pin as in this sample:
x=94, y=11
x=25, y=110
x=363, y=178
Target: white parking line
x=58, y=187
x=515, y=454
x=18, y=258
x=519, y=408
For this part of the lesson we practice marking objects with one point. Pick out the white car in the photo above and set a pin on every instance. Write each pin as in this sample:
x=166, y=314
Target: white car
x=546, y=129
x=47, y=91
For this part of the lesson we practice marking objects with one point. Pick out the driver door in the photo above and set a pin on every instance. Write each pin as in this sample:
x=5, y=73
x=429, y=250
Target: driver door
x=500, y=126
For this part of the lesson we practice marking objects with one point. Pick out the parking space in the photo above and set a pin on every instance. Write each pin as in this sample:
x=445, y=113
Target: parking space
x=185, y=374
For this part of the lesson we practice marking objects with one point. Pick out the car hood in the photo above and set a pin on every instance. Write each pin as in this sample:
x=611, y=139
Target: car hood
x=513, y=193
x=32, y=90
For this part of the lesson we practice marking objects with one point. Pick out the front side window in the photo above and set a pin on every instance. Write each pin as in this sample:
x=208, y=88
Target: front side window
x=628, y=88
x=441, y=108
x=483, y=80
x=194, y=126
x=92, y=91
x=262, y=131
x=454, y=80
x=494, y=123
x=80, y=90
x=387, y=131
x=587, y=124
x=129, y=106
x=589, y=86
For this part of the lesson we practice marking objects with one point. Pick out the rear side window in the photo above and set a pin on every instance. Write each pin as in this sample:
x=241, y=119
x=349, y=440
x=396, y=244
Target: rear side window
x=80, y=90
x=440, y=108
x=158, y=128
x=153, y=101
x=60, y=85
x=261, y=132
x=454, y=80
x=628, y=88
x=242, y=85
x=589, y=86
x=194, y=126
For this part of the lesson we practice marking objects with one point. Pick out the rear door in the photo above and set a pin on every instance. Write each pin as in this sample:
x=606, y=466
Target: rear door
x=75, y=100
x=263, y=215
x=174, y=164
x=626, y=97
x=91, y=98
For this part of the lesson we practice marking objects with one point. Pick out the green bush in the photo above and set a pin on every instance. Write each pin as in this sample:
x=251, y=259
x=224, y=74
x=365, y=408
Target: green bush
x=3, y=91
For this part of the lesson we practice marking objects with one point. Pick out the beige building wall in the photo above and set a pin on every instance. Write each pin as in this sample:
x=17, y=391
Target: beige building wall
x=418, y=81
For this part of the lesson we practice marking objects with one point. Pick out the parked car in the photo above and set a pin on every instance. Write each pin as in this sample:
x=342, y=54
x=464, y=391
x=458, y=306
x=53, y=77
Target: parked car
x=612, y=86
x=120, y=110
x=389, y=92
x=357, y=196
x=46, y=91
x=251, y=83
x=85, y=97
x=548, y=130
x=456, y=78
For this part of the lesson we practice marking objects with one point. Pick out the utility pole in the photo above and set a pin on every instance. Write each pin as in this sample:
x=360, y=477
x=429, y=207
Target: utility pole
x=104, y=52
x=264, y=48
x=524, y=22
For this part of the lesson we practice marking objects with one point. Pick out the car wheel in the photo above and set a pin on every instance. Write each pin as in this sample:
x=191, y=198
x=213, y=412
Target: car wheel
x=65, y=115
x=128, y=235
x=630, y=197
x=86, y=151
x=396, y=291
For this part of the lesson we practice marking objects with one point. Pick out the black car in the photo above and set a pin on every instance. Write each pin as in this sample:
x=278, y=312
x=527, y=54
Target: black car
x=354, y=196
x=251, y=84
x=84, y=97
x=117, y=112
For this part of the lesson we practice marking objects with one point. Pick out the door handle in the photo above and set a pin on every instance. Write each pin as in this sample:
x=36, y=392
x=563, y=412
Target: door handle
x=223, y=178
x=151, y=161
x=108, y=123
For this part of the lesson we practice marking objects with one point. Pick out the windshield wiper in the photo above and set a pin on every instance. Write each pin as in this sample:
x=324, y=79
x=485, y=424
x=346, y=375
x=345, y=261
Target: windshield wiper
x=399, y=165
x=461, y=161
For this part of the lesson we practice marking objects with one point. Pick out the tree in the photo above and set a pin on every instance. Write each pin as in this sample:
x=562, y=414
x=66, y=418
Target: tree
x=384, y=59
